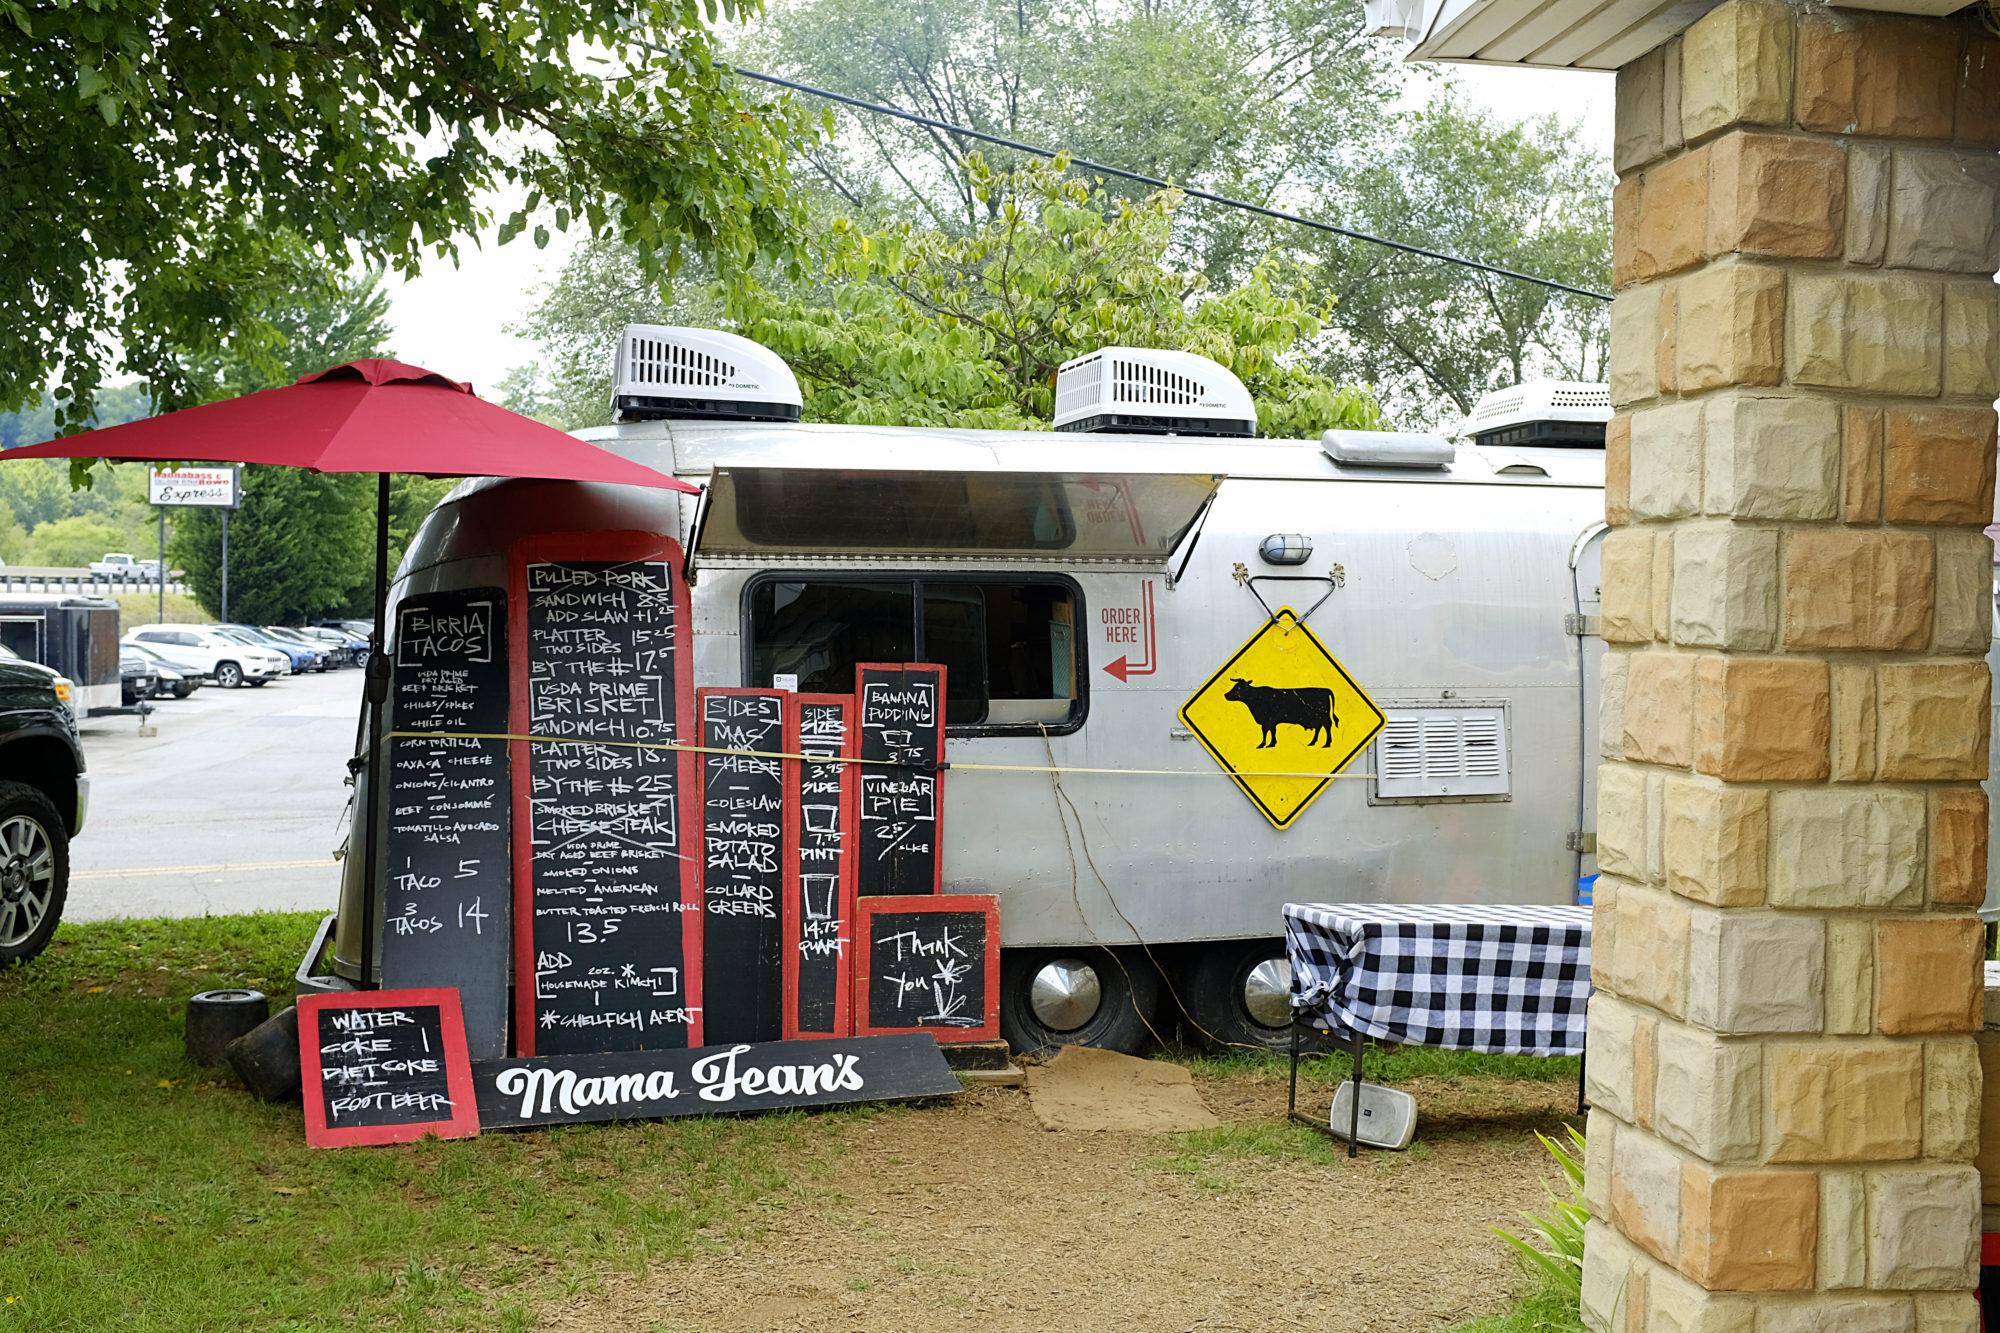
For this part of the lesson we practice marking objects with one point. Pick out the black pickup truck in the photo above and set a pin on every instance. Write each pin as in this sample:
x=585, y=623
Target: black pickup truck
x=44, y=794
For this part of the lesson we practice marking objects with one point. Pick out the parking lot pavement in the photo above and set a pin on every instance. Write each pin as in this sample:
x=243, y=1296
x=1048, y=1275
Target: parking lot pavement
x=235, y=806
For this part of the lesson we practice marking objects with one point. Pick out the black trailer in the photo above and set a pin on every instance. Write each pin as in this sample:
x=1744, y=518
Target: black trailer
x=77, y=636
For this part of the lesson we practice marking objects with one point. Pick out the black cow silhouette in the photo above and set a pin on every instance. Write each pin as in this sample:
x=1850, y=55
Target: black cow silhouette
x=1308, y=707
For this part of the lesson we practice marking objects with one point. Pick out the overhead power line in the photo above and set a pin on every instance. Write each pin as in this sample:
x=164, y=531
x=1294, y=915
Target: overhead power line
x=1223, y=199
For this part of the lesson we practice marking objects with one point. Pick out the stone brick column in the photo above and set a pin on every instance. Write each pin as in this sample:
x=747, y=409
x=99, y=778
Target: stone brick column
x=1796, y=591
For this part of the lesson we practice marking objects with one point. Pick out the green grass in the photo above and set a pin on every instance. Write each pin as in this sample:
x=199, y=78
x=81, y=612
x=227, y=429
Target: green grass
x=1382, y=1064
x=141, y=1193
x=1546, y=1310
x=143, y=608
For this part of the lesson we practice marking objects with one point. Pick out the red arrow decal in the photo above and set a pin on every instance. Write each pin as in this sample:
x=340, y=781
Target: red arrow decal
x=1123, y=669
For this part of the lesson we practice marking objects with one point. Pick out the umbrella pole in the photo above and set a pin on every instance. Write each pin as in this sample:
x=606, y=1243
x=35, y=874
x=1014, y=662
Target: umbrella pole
x=378, y=700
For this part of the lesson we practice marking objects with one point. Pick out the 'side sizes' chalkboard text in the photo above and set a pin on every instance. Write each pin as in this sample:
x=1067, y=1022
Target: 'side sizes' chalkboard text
x=820, y=842
x=386, y=1066
x=742, y=857
x=929, y=964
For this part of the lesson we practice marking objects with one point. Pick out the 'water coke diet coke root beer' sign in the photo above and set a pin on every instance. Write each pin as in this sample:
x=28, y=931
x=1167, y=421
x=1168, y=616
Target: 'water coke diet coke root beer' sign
x=386, y=1066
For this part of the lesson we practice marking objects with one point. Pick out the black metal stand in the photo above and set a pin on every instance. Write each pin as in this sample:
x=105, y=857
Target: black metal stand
x=1354, y=1111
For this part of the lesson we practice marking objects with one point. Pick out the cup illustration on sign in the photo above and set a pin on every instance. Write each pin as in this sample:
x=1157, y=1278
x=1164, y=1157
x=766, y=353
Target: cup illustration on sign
x=1310, y=709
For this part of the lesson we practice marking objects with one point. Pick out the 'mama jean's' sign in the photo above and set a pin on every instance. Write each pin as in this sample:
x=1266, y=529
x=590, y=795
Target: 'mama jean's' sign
x=648, y=1085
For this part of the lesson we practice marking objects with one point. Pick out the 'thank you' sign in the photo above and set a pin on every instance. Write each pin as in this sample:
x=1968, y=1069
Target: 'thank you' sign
x=448, y=902
x=607, y=895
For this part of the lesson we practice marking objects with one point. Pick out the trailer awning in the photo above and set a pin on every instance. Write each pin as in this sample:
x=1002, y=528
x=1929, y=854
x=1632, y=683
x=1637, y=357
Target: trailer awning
x=822, y=512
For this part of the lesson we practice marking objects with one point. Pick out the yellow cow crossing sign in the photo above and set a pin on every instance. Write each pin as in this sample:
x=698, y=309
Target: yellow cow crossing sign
x=1282, y=716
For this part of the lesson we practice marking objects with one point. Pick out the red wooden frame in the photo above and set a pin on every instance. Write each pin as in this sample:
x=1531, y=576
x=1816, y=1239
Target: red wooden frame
x=699, y=851
x=868, y=908
x=849, y=821
x=463, y=1122
x=635, y=547
x=937, y=800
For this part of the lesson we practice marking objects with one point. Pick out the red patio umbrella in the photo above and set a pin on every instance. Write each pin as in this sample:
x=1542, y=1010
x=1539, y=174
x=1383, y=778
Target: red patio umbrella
x=364, y=416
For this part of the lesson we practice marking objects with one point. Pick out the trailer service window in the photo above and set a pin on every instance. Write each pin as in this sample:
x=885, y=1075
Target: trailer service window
x=1009, y=645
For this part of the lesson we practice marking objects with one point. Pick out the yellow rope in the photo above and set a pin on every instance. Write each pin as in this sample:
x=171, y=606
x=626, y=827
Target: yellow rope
x=951, y=766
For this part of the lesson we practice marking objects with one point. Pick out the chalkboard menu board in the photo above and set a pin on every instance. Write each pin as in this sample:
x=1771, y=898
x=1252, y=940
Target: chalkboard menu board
x=819, y=866
x=929, y=964
x=447, y=900
x=742, y=859
x=902, y=724
x=385, y=1066
x=607, y=894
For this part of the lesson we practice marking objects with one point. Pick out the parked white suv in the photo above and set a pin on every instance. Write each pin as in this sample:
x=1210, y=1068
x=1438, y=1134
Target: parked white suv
x=201, y=648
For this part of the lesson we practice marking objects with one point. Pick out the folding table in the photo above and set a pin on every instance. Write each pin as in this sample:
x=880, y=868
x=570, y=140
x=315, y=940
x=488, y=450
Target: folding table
x=1502, y=979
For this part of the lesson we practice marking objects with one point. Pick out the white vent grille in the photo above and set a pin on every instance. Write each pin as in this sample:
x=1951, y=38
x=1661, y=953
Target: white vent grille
x=1441, y=752
x=1590, y=395
x=1137, y=382
x=1079, y=386
x=656, y=361
x=1498, y=404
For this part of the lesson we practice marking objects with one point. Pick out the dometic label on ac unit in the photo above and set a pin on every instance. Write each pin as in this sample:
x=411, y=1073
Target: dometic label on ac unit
x=1283, y=716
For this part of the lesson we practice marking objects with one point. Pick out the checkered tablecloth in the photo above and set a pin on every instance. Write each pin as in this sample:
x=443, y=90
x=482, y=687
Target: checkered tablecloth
x=1507, y=980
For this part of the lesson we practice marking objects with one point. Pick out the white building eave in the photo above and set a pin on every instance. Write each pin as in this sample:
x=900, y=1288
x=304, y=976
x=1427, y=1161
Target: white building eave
x=1568, y=34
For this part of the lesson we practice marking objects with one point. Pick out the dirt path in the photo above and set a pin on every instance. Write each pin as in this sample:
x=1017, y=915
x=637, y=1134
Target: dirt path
x=968, y=1214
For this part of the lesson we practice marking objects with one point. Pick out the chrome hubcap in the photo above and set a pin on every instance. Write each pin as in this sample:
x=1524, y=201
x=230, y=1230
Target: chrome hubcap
x=27, y=878
x=1267, y=993
x=1065, y=994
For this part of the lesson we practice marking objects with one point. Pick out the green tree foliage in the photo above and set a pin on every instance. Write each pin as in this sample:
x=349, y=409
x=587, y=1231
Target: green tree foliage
x=171, y=172
x=1433, y=337
x=303, y=544
x=1281, y=102
x=908, y=325
x=72, y=542
x=1254, y=97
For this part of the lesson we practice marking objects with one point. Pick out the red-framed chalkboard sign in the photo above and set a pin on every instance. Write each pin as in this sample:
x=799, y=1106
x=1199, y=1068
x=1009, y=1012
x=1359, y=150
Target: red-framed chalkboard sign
x=385, y=1066
x=900, y=709
x=740, y=847
x=607, y=892
x=928, y=963
x=821, y=846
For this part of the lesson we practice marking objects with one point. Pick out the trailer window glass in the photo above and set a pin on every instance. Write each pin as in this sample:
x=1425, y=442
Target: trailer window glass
x=1008, y=647
x=907, y=511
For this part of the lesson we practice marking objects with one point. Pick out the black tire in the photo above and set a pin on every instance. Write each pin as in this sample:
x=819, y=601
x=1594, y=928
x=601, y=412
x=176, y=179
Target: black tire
x=34, y=871
x=1128, y=990
x=228, y=675
x=184, y=689
x=217, y=1017
x=258, y=684
x=1213, y=989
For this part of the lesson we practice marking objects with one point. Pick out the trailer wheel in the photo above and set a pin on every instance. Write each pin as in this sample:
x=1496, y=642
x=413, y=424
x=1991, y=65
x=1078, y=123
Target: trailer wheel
x=1075, y=997
x=34, y=871
x=1238, y=993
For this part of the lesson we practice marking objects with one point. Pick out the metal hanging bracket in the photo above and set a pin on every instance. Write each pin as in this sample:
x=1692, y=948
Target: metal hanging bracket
x=1334, y=581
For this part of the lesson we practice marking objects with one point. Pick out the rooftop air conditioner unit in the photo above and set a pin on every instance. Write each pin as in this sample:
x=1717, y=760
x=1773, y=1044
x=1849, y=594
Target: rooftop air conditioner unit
x=671, y=373
x=1137, y=391
x=1546, y=412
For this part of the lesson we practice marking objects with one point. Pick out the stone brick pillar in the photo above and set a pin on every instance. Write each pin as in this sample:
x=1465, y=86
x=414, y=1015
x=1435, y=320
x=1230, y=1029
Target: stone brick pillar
x=1796, y=592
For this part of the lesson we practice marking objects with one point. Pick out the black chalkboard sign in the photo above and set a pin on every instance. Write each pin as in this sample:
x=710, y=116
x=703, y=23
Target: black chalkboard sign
x=929, y=963
x=902, y=724
x=386, y=1066
x=607, y=893
x=742, y=858
x=820, y=839
x=710, y=1080
x=448, y=895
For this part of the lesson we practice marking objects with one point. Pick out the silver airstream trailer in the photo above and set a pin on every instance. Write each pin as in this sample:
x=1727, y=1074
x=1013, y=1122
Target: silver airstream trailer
x=1080, y=585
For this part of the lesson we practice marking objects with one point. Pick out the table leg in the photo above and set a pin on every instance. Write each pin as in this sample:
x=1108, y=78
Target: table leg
x=1582, y=1065
x=1354, y=1108
x=1292, y=1102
